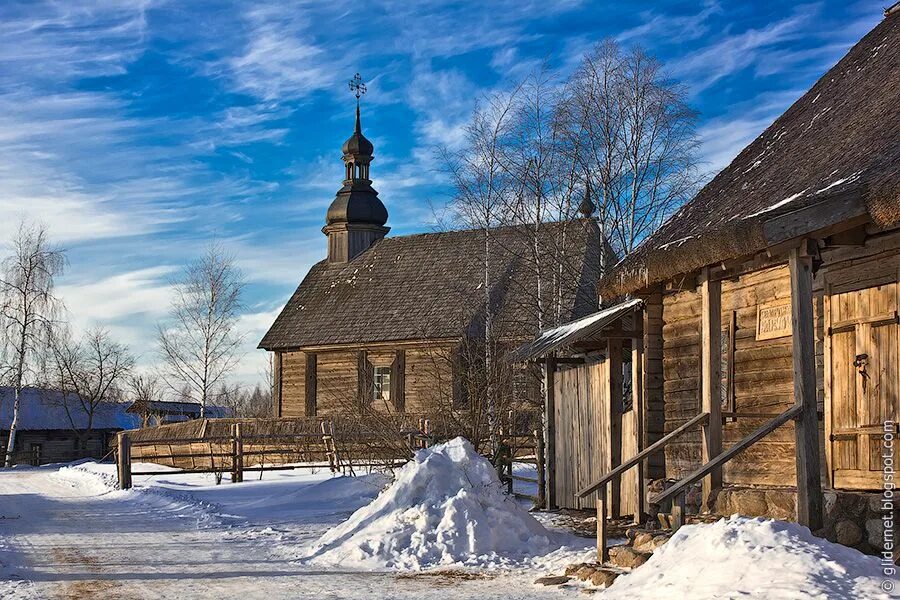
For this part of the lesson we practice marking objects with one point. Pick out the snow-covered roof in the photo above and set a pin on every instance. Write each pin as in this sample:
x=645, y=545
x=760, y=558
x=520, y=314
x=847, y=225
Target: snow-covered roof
x=555, y=338
x=41, y=409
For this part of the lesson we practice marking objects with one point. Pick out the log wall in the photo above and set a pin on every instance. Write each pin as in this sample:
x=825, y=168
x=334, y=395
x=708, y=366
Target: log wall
x=427, y=378
x=763, y=370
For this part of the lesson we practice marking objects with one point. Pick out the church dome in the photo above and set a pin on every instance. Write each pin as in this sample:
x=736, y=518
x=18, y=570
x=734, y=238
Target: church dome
x=358, y=144
x=355, y=204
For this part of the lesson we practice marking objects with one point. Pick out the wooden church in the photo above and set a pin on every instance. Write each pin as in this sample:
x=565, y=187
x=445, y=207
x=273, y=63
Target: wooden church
x=386, y=323
x=753, y=363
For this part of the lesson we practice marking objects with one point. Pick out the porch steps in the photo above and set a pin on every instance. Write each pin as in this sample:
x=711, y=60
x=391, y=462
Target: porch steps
x=640, y=543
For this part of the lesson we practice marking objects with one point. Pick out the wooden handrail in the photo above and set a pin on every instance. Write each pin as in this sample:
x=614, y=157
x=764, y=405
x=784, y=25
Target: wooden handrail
x=637, y=458
x=727, y=455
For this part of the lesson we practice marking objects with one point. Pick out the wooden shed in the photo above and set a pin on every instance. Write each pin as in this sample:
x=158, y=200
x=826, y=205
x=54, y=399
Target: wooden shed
x=765, y=319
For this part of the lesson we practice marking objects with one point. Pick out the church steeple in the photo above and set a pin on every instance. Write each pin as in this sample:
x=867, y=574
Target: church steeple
x=356, y=218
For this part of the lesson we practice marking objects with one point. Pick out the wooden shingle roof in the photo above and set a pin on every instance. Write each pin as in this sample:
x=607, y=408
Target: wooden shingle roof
x=841, y=137
x=430, y=286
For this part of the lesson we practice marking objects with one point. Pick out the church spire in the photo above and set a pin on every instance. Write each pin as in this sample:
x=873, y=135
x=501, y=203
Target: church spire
x=356, y=218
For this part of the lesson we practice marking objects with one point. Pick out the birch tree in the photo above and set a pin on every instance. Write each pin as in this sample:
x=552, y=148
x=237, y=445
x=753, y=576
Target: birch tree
x=199, y=344
x=87, y=372
x=28, y=308
x=483, y=188
x=633, y=137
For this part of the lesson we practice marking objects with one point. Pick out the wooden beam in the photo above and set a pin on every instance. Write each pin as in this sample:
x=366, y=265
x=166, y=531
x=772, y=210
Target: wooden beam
x=840, y=212
x=311, y=385
x=652, y=384
x=602, y=548
x=810, y=508
x=550, y=432
x=711, y=378
x=637, y=402
x=277, y=407
x=615, y=395
x=727, y=455
x=656, y=446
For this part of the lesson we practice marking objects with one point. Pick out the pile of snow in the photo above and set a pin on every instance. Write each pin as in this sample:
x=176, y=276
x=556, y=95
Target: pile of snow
x=742, y=557
x=445, y=507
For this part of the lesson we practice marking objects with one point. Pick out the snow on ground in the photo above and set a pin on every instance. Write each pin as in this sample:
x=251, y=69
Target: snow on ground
x=445, y=508
x=742, y=557
x=65, y=532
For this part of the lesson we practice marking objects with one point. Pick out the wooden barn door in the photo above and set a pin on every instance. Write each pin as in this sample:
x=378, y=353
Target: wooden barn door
x=862, y=382
x=578, y=431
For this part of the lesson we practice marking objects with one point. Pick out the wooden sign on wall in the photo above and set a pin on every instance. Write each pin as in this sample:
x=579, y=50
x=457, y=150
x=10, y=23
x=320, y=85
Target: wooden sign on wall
x=773, y=320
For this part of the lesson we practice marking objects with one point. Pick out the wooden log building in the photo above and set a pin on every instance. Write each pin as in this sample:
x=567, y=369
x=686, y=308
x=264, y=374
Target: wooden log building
x=382, y=323
x=48, y=433
x=761, y=338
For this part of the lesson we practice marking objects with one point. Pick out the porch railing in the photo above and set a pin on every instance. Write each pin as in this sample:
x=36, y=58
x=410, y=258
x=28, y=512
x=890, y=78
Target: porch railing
x=600, y=486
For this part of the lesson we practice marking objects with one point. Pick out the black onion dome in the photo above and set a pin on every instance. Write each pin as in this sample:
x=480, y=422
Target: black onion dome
x=357, y=206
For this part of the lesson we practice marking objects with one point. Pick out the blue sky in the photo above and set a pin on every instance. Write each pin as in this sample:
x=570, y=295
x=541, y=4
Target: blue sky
x=138, y=130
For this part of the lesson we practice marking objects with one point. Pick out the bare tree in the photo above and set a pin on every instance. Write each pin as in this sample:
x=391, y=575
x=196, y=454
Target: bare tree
x=255, y=403
x=28, y=307
x=87, y=372
x=199, y=344
x=483, y=187
x=632, y=135
x=145, y=389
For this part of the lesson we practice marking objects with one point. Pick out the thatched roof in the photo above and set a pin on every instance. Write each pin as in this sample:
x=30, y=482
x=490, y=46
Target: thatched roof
x=841, y=137
x=430, y=286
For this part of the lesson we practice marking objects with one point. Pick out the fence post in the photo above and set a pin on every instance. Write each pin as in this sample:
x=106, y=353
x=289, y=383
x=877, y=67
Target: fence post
x=427, y=431
x=124, y=461
x=237, y=454
x=539, y=463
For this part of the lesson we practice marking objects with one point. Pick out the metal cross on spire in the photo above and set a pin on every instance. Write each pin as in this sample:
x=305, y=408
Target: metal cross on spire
x=358, y=87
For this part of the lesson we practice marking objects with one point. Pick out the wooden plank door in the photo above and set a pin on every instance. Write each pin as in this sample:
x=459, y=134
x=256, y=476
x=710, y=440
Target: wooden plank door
x=863, y=382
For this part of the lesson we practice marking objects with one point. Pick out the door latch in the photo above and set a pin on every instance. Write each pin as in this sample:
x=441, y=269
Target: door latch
x=861, y=362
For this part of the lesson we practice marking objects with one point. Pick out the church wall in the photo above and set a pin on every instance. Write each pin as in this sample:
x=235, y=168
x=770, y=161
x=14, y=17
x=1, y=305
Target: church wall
x=428, y=378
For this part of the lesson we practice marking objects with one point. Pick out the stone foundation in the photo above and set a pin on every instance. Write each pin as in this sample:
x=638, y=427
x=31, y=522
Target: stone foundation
x=852, y=519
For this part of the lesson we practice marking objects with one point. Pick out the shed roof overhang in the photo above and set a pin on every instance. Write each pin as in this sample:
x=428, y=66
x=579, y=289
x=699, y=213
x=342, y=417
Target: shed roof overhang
x=585, y=328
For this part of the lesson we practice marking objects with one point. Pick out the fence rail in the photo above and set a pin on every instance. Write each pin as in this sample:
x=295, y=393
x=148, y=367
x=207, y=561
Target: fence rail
x=237, y=446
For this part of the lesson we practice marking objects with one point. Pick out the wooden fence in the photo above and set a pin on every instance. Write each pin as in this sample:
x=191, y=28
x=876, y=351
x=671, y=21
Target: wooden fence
x=237, y=446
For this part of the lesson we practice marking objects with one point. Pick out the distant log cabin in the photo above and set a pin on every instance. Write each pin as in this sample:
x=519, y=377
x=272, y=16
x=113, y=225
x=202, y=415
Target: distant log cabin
x=763, y=328
x=57, y=428
x=392, y=324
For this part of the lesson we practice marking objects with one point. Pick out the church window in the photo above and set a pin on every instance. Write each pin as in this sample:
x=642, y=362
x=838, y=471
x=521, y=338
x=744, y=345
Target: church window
x=381, y=389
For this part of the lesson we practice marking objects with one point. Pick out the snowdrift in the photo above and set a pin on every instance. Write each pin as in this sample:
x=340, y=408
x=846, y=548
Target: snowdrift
x=742, y=557
x=445, y=507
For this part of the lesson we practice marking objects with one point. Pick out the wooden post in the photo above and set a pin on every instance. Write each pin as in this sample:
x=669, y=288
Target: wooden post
x=637, y=403
x=677, y=513
x=124, y=461
x=539, y=460
x=237, y=454
x=310, y=384
x=277, y=407
x=711, y=378
x=550, y=432
x=616, y=397
x=652, y=371
x=602, y=549
x=809, y=484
